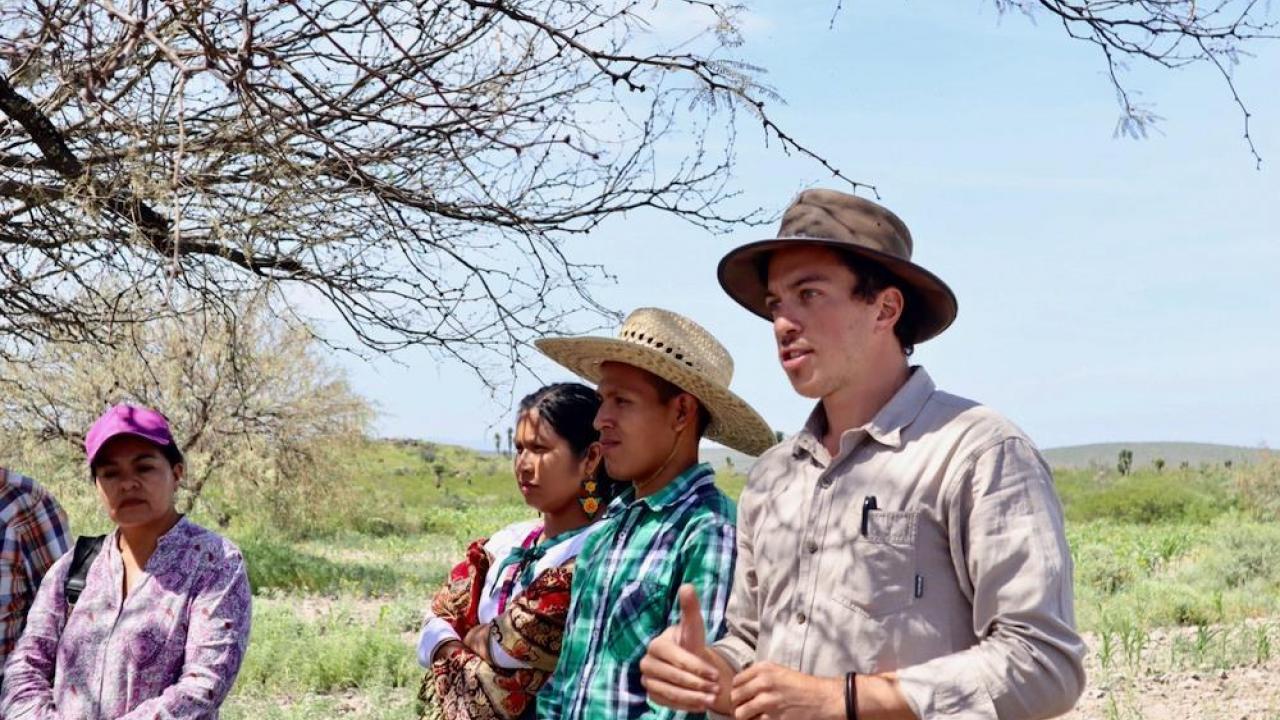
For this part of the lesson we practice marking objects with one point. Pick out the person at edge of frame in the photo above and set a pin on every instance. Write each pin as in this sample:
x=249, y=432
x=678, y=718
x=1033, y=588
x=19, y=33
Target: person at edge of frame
x=34, y=533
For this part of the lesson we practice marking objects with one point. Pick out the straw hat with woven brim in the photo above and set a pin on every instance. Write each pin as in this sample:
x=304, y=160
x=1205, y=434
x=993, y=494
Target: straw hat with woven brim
x=851, y=224
x=683, y=353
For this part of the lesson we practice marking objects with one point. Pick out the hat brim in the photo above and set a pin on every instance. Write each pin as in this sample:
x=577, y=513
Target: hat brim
x=740, y=276
x=734, y=423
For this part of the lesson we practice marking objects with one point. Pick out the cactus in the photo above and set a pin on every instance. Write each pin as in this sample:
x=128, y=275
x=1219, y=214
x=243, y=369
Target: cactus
x=1125, y=463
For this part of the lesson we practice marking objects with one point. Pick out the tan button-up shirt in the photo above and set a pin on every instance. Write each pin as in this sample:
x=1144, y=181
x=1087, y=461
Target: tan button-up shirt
x=932, y=544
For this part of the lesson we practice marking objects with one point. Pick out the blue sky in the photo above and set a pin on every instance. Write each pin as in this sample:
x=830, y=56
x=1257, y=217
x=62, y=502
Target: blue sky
x=1110, y=289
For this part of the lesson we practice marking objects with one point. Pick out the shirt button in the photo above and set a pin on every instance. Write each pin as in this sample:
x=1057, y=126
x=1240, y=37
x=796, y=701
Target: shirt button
x=812, y=547
x=826, y=481
x=800, y=618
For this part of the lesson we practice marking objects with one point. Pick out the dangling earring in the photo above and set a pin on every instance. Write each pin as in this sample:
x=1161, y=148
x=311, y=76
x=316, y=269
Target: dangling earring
x=589, y=497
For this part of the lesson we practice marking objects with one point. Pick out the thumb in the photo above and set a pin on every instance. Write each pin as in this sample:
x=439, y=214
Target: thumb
x=693, y=634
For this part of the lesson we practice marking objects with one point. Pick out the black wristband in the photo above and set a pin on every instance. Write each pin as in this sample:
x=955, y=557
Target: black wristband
x=850, y=697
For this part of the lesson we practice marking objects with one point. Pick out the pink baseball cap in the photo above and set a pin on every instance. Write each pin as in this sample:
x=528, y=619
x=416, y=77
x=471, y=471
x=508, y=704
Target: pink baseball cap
x=140, y=422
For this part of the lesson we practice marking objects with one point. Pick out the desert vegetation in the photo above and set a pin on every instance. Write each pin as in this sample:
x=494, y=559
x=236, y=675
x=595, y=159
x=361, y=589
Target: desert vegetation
x=1177, y=571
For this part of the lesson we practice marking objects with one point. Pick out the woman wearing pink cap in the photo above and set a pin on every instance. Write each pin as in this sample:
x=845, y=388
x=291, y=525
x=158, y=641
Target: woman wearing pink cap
x=162, y=622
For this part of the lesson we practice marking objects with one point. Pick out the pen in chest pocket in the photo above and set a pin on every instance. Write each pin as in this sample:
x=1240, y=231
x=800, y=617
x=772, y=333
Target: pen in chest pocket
x=868, y=504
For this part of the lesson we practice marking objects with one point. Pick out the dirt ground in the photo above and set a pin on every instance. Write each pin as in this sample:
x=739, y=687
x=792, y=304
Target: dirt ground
x=1157, y=689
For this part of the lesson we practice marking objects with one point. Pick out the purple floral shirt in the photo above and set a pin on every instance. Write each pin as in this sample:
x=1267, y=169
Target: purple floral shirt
x=171, y=649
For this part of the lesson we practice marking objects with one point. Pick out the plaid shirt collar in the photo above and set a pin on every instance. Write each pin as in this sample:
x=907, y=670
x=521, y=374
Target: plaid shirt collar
x=685, y=482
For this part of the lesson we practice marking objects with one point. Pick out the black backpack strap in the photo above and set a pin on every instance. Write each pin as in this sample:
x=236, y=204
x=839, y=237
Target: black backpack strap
x=87, y=547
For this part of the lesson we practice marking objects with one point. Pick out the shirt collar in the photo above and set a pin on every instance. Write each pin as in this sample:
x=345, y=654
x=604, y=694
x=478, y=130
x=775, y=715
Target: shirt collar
x=179, y=531
x=667, y=496
x=167, y=545
x=885, y=428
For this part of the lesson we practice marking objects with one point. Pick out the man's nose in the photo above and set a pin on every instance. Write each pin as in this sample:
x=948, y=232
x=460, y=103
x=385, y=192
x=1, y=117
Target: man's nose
x=785, y=326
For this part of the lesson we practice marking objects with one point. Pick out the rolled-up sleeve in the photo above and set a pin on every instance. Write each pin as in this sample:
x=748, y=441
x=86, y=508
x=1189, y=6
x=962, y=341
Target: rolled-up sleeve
x=1011, y=557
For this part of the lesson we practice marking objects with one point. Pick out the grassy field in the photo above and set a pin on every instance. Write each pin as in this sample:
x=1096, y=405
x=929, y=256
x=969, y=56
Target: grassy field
x=337, y=609
x=337, y=612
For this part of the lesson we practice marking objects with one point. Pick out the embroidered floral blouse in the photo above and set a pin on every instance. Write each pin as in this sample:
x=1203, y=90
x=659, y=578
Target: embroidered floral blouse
x=171, y=649
x=517, y=582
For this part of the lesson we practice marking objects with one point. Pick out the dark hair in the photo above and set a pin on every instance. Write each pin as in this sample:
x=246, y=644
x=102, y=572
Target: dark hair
x=169, y=452
x=667, y=390
x=872, y=278
x=570, y=409
x=172, y=454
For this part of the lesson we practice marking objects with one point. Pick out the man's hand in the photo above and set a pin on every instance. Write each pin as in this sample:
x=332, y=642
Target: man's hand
x=772, y=692
x=679, y=671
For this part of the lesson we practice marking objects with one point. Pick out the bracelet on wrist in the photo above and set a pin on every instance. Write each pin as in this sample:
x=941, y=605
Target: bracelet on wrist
x=851, y=696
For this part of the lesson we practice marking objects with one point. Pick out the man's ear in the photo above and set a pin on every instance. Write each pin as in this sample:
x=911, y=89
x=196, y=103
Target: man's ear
x=891, y=303
x=686, y=411
x=591, y=459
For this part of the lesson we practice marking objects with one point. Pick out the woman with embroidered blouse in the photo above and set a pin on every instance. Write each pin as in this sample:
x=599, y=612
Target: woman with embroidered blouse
x=160, y=627
x=492, y=635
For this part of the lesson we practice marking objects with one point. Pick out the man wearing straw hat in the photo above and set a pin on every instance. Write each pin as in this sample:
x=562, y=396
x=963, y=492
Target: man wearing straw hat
x=663, y=384
x=903, y=555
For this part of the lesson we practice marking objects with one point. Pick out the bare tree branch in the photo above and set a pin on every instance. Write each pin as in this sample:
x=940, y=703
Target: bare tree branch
x=412, y=167
x=1168, y=33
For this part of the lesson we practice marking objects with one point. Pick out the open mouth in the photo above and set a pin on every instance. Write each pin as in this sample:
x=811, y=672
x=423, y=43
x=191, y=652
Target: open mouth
x=794, y=357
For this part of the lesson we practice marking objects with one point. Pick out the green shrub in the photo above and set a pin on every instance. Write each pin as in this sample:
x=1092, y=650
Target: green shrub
x=1145, y=497
x=335, y=651
x=274, y=564
x=1175, y=573
x=1258, y=486
x=1242, y=555
x=367, y=704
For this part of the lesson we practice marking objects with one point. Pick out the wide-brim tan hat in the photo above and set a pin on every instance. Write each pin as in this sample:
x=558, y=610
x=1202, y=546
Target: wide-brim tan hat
x=851, y=224
x=683, y=353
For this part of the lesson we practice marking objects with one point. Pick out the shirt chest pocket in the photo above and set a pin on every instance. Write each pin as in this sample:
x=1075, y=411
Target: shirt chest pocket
x=875, y=573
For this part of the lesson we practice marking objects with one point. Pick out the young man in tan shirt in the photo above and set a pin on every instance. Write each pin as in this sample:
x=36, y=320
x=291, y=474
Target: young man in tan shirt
x=903, y=556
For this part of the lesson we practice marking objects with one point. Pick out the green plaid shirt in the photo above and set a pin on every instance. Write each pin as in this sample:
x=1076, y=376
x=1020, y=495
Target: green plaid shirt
x=624, y=594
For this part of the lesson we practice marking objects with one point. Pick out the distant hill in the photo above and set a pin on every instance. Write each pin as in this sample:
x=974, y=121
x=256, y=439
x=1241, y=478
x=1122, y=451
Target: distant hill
x=1173, y=454
x=719, y=457
x=1075, y=456
x=1079, y=456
